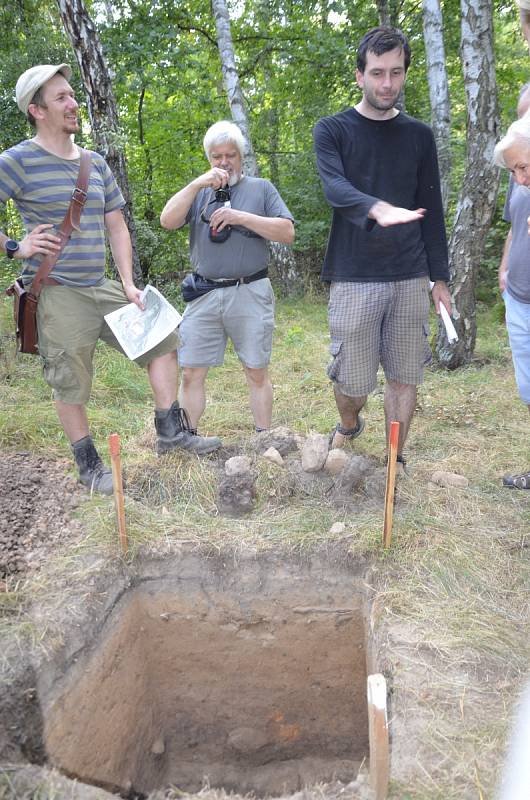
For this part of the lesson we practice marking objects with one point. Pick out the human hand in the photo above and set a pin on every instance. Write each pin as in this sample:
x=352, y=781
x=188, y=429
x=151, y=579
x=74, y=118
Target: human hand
x=224, y=216
x=40, y=241
x=503, y=279
x=133, y=295
x=441, y=294
x=386, y=214
x=215, y=178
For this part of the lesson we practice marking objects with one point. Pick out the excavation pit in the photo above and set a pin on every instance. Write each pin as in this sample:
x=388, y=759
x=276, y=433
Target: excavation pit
x=250, y=675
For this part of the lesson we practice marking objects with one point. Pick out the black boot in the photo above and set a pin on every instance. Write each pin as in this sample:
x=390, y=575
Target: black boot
x=92, y=471
x=174, y=430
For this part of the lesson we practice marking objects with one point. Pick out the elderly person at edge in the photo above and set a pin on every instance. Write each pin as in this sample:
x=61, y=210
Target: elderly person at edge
x=240, y=305
x=513, y=152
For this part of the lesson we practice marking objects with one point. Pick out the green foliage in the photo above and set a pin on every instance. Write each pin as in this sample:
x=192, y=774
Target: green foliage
x=296, y=63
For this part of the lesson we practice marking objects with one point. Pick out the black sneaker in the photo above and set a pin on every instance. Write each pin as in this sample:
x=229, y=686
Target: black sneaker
x=174, y=431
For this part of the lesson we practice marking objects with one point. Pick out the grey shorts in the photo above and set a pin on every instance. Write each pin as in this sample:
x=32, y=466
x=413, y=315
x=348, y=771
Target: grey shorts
x=70, y=322
x=378, y=323
x=243, y=313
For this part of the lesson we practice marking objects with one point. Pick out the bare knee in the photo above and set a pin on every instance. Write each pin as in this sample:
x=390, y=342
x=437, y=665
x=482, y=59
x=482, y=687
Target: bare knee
x=193, y=377
x=258, y=378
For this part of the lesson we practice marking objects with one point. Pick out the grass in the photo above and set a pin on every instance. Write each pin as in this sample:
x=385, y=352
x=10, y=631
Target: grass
x=450, y=599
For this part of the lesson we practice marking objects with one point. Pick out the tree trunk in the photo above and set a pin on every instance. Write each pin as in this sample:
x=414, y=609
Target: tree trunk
x=283, y=263
x=476, y=203
x=231, y=82
x=388, y=11
x=438, y=91
x=101, y=103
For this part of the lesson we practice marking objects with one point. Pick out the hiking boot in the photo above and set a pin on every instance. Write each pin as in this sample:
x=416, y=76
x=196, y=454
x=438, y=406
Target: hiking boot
x=92, y=471
x=174, y=430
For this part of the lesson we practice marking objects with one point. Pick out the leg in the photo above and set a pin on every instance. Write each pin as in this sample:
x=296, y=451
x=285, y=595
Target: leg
x=92, y=472
x=348, y=408
x=192, y=395
x=248, y=319
x=400, y=403
x=260, y=395
x=404, y=353
x=163, y=377
x=355, y=314
x=73, y=418
x=518, y=325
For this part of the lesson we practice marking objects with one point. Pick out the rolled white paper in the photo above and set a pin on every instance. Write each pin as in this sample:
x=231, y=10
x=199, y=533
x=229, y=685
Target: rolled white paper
x=452, y=335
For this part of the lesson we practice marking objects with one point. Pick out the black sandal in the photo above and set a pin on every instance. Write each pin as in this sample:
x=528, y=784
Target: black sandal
x=517, y=481
x=348, y=433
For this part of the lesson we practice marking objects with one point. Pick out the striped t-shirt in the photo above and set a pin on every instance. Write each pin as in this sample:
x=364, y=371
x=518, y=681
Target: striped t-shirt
x=41, y=185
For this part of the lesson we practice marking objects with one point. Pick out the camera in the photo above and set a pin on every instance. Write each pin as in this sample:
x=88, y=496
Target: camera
x=222, y=195
x=222, y=198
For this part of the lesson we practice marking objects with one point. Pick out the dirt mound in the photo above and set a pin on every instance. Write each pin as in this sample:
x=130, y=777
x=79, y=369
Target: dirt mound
x=37, y=497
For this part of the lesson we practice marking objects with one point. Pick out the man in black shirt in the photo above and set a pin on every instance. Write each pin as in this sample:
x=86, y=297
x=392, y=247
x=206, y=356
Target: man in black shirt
x=379, y=171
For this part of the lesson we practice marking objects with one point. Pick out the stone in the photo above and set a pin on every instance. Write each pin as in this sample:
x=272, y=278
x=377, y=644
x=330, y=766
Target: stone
x=237, y=465
x=336, y=528
x=315, y=452
x=158, y=747
x=247, y=740
x=450, y=480
x=353, y=477
x=281, y=438
x=273, y=455
x=237, y=494
x=336, y=461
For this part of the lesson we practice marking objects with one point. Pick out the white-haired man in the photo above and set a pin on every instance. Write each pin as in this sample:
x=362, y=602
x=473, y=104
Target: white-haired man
x=39, y=175
x=229, y=254
x=513, y=152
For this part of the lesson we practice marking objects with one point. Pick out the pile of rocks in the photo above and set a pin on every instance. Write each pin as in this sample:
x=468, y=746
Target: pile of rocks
x=309, y=467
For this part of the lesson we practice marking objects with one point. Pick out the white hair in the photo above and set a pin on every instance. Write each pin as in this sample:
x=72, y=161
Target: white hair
x=517, y=133
x=221, y=133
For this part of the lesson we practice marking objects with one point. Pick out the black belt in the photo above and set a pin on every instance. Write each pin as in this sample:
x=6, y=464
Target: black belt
x=257, y=276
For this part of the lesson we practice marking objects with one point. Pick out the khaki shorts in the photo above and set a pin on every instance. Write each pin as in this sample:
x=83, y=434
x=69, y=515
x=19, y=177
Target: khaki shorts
x=243, y=313
x=70, y=322
x=378, y=323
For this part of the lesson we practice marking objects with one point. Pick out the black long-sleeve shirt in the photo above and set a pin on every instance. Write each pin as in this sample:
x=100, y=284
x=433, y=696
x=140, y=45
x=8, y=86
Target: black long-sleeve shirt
x=361, y=161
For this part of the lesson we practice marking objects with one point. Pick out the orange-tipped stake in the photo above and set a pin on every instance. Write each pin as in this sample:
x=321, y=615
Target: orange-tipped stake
x=390, y=482
x=114, y=447
x=378, y=736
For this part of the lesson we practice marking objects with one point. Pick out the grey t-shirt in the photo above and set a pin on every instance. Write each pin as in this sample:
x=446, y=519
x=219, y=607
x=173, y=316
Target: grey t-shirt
x=241, y=254
x=517, y=211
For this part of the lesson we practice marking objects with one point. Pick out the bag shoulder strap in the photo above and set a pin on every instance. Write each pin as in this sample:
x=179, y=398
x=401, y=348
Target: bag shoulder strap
x=70, y=222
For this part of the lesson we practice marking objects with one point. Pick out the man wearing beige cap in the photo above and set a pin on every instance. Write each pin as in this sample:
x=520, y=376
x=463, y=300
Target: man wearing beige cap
x=39, y=175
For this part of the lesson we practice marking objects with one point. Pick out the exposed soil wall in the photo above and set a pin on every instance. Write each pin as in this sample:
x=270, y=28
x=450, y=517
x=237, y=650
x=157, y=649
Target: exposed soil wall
x=251, y=673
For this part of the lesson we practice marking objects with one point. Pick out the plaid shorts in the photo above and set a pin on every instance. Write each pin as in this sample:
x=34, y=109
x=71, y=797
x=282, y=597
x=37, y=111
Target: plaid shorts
x=378, y=323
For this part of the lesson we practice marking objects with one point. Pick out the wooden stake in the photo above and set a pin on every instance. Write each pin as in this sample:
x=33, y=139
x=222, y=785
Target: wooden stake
x=114, y=447
x=378, y=736
x=390, y=483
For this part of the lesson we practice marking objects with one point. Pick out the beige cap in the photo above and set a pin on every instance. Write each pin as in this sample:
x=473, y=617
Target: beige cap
x=32, y=79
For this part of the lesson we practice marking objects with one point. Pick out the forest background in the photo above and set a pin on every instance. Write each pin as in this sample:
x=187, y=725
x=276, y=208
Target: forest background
x=294, y=61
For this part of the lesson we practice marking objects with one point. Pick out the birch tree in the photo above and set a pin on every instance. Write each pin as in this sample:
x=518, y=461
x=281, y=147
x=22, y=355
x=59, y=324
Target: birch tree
x=476, y=202
x=283, y=260
x=102, y=111
x=438, y=90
